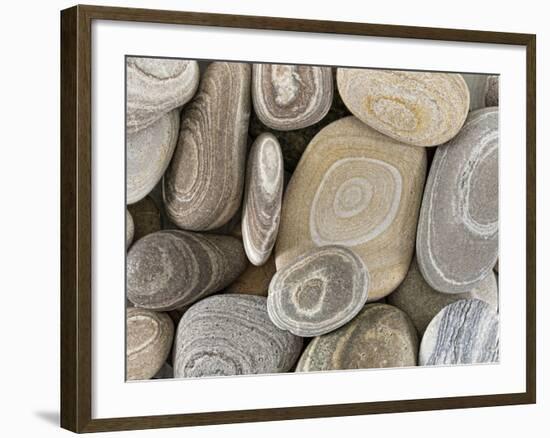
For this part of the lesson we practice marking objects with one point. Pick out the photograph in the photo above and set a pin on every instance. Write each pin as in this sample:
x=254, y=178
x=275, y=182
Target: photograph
x=294, y=218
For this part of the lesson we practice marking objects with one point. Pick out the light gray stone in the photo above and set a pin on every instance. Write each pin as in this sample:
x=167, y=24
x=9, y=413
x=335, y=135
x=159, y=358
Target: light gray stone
x=457, y=239
x=226, y=335
x=464, y=332
x=129, y=229
x=318, y=292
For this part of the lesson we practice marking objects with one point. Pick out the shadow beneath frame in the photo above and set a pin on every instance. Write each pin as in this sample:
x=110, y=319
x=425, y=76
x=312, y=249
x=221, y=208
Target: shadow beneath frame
x=51, y=417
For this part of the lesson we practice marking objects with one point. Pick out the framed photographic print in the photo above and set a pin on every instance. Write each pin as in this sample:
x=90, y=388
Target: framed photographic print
x=268, y=219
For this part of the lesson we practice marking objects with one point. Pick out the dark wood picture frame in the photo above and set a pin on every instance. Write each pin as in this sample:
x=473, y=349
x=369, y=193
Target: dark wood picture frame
x=76, y=243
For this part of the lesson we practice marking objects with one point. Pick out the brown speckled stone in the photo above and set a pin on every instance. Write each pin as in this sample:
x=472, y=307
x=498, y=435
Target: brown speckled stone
x=380, y=336
x=149, y=338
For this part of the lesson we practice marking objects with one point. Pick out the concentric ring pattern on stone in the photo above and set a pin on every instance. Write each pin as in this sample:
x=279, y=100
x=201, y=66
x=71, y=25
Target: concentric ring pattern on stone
x=289, y=97
x=157, y=86
x=318, y=292
x=380, y=336
x=203, y=185
x=262, y=198
x=172, y=268
x=149, y=337
x=358, y=188
x=148, y=153
x=226, y=335
x=417, y=108
x=421, y=302
x=464, y=332
x=457, y=242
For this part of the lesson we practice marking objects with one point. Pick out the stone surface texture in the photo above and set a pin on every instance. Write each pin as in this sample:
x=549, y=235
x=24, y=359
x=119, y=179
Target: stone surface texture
x=226, y=335
x=147, y=217
x=478, y=86
x=149, y=337
x=457, y=240
x=416, y=108
x=155, y=87
x=381, y=336
x=289, y=97
x=204, y=183
x=148, y=153
x=263, y=195
x=318, y=292
x=170, y=269
x=421, y=302
x=129, y=229
x=357, y=188
x=464, y=332
x=491, y=98
x=254, y=280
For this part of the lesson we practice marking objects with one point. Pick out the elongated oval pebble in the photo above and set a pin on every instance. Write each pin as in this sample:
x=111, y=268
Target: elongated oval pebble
x=129, y=229
x=417, y=108
x=204, y=183
x=157, y=86
x=226, y=335
x=262, y=198
x=173, y=268
x=149, y=338
x=288, y=97
x=148, y=153
x=147, y=217
x=464, y=332
x=357, y=188
x=421, y=302
x=380, y=336
x=457, y=241
x=318, y=292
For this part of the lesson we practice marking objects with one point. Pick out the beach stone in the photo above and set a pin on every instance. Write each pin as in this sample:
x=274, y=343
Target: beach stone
x=170, y=269
x=149, y=338
x=129, y=229
x=478, y=86
x=263, y=195
x=155, y=87
x=380, y=336
x=491, y=97
x=416, y=108
x=457, y=240
x=254, y=280
x=148, y=153
x=357, y=188
x=421, y=302
x=318, y=292
x=204, y=183
x=464, y=332
x=147, y=217
x=289, y=97
x=227, y=335
x=293, y=143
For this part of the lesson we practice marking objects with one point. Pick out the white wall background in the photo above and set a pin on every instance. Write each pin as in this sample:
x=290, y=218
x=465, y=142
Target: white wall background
x=29, y=215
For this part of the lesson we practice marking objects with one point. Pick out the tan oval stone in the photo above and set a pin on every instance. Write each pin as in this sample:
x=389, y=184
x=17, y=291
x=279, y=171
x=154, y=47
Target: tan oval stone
x=357, y=188
x=149, y=338
x=380, y=336
x=417, y=108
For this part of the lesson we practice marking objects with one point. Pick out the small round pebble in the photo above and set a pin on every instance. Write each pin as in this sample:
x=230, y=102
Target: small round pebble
x=149, y=338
